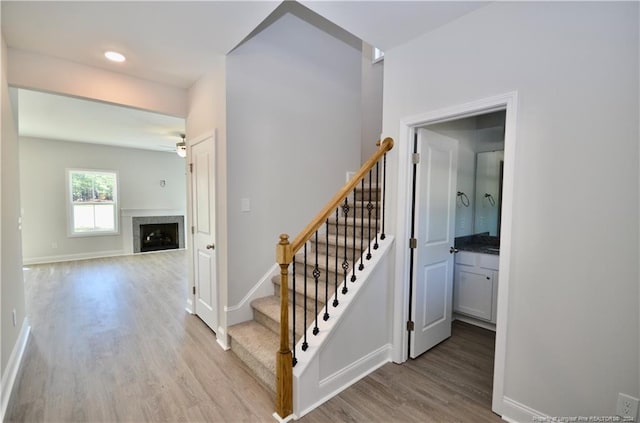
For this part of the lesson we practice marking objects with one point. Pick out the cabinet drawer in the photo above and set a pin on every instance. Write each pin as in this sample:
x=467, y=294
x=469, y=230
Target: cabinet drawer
x=466, y=258
x=488, y=261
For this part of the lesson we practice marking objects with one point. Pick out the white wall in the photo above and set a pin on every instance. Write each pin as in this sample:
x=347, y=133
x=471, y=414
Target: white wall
x=208, y=114
x=43, y=165
x=12, y=287
x=372, y=82
x=572, y=333
x=294, y=129
x=50, y=74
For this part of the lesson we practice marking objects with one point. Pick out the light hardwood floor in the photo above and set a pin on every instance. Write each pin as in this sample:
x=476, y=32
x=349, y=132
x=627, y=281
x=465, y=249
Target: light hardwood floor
x=111, y=341
x=449, y=383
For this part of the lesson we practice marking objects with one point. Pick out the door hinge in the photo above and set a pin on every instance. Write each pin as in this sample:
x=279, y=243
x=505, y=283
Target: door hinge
x=193, y=229
x=413, y=243
x=410, y=326
x=190, y=167
x=415, y=158
x=194, y=290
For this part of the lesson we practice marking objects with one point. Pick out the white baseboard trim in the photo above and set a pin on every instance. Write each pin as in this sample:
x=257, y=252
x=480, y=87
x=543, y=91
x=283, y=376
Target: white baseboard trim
x=73, y=257
x=13, y=365
x=357, y=370
x=189, y=306
x=242, y=311
x=222, y=339
x=281, y=420
x=485, y=325
x=515, y=412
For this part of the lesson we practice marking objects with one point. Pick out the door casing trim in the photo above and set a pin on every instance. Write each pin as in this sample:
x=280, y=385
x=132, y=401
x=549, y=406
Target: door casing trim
x=408, y=127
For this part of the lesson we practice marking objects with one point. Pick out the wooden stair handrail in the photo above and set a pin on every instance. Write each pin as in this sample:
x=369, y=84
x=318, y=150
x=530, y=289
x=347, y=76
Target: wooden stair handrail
x=285, y=252
x=314, y=225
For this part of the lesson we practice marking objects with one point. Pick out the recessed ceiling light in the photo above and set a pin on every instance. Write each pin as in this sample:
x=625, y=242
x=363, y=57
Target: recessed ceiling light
x=114, y=56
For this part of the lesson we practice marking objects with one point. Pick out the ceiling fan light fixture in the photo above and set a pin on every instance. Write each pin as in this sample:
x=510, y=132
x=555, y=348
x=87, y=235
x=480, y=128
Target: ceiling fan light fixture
x=114, y=56
x=181, y=147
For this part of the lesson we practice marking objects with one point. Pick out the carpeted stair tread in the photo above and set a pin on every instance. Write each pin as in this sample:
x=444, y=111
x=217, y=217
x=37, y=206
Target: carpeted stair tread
x=337, y=240
x=374, y=187
x=336, y=246
x=358, y=222
x=269, y=307
x=256, y=345
x=299, y=258
x=311, y=286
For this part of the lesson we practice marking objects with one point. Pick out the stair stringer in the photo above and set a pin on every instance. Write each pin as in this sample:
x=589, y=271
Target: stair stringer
x=354, y=342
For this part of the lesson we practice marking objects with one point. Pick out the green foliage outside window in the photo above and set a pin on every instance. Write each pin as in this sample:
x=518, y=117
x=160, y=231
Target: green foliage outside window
x=92, y=187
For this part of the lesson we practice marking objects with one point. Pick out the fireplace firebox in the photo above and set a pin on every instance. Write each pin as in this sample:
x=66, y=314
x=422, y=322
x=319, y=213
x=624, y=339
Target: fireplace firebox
x=157, y=241
x=159, y=236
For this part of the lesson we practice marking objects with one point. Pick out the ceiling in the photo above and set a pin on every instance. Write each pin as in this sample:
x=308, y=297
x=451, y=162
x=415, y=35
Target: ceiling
x=175, y=43
x=56, y=117
x=388, y=24
x=170, y=42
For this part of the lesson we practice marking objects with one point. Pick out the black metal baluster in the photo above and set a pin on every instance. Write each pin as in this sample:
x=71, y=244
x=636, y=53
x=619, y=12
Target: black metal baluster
x=335, y=300
x=369, y=208
x=305, y=345
x=345, y=263
x=375, y=244
x=293, y=344
x=353, y=249
x=326, y=273
x=361, y=267
x=384, y=191
x=316, y=276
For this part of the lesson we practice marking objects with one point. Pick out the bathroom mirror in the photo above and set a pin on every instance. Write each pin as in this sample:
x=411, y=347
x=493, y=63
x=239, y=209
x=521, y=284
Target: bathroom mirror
x=488, y=192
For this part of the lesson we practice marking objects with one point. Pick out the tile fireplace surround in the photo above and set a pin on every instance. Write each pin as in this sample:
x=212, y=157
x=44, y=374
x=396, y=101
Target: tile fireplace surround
x=133, y=218
x=137, y=221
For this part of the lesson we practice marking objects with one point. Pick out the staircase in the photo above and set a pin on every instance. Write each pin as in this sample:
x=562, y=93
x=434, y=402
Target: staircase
x=256, y=341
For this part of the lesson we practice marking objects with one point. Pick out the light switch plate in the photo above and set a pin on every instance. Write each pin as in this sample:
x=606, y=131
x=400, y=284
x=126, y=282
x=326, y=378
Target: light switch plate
x=245, y=205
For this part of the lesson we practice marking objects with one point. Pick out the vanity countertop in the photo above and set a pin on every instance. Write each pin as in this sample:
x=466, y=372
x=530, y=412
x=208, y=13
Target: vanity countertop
x=479, y=243
x=480, y=248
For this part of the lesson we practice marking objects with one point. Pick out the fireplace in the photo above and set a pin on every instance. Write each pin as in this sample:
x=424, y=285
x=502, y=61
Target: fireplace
x=156, y=233
x=159, y=236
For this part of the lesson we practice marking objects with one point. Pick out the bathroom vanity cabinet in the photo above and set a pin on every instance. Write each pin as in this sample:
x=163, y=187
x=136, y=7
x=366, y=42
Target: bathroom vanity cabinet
x=475, y=286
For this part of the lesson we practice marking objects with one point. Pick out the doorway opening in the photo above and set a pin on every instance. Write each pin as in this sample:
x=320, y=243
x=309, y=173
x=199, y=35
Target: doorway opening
x=90, y=137
x=456, y=193
x=460, y=227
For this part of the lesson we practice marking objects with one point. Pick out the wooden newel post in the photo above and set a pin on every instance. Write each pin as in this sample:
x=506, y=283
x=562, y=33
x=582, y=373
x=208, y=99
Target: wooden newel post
x=284, y=363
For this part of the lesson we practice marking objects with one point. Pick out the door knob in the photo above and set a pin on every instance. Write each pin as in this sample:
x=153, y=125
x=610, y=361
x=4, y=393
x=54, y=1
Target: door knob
x=210, y=246
x=453, y=250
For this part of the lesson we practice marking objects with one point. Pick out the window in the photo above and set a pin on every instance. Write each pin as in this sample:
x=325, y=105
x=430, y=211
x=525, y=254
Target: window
x=378, y=55
x=93, y=199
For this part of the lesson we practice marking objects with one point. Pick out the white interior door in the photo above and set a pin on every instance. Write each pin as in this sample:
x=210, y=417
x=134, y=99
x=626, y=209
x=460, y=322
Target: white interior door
x=435, y=227
x=203, y=221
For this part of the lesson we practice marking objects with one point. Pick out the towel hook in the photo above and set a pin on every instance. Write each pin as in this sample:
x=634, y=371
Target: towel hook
x=463, y=198
x=490, y=199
